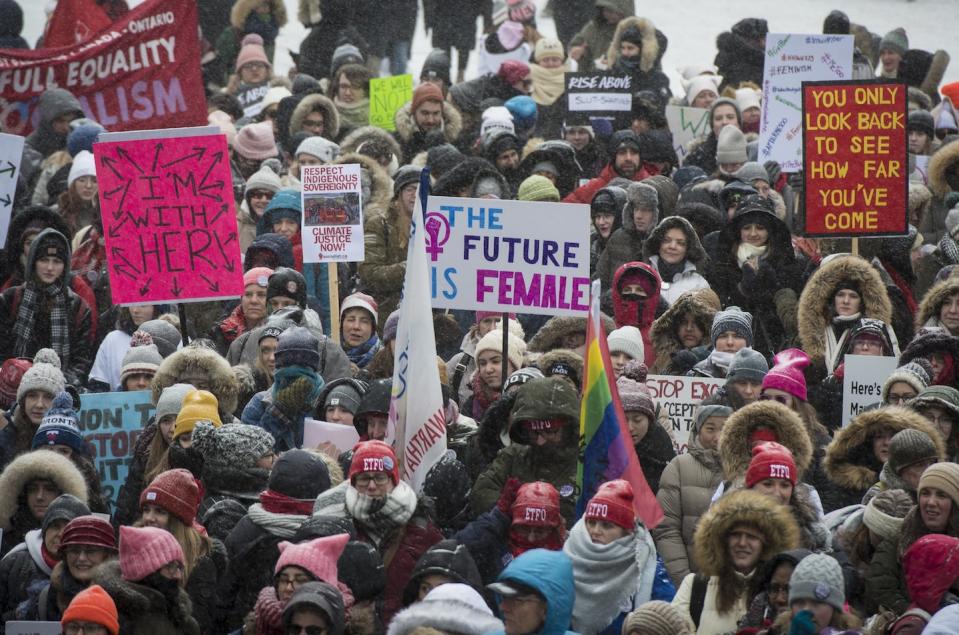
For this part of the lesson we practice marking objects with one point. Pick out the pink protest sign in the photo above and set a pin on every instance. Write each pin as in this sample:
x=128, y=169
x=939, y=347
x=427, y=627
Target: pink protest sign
x=169, y=219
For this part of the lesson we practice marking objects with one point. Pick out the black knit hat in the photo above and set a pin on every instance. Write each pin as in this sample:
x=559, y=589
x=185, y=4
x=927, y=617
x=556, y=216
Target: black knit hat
x=921, y=121
x=361, y=568
x=447, y=558
x=299, y=474
x=324, y=526
x=64, y=507
x=622, y=139
x=836, y=23
x=442, y=158
x=375, y=401
x=405, y=176
x=288, y=283
x=436, y=66
x=448, y=483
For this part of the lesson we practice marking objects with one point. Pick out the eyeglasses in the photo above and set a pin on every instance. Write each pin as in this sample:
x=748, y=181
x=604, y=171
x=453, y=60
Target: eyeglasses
x=363, y=480
x=294, y=581
x=74, y=628
x=76, y=550
x=296, y=629
x=900, y=398
x=256, y=66
x=783, y=399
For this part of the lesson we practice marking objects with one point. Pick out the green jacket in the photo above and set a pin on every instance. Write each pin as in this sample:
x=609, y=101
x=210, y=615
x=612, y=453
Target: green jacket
x=383, y=270
x=885, y=583
x=597, y=34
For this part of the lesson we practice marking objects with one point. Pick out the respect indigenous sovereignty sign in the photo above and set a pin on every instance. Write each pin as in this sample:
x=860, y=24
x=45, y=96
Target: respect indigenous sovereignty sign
x=143, y=71
x=508, y=256
x=332, y=213
x=680, y=398
x=862, y=383
x=599, y=93
x=110, y=423
x=387, y=95
x=686, y=123
x=169, y=220
x=792, y=59
x=11, y=152
x=855, y=161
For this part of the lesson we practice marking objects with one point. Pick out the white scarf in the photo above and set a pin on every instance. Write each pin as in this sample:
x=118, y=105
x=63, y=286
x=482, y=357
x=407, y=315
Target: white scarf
x=280, y=525
x=833, y=345
x=721, y=359
x=610, y=579
x=379, y=516
x=748, y=252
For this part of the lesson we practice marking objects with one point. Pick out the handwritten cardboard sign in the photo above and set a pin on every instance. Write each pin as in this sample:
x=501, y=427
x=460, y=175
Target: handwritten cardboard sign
x=110, y=423
x=855, y=158
x=862, y=383
x=169, y=218
x=792, y=59
x=599, y=93
x=332, y=213
x=387, y=95
x=686, y=123
x=510, y=256
x=680, y=398
x=11, y=152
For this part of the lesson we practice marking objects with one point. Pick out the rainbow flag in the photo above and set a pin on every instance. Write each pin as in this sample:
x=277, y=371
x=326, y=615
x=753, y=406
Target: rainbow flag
x=607, y=451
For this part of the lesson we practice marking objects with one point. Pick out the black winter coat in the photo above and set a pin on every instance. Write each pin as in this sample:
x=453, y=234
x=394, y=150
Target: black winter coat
x=203, y=587
x=252, y=554
x=655, y=451
x=128, y=499
x=18, y=570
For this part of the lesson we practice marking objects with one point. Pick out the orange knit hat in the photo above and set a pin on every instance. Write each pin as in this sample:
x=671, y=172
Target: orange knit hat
x=93, y=604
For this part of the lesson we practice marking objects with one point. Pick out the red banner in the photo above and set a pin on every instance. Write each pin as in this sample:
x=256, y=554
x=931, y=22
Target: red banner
x=855, y=158
x=142, y=72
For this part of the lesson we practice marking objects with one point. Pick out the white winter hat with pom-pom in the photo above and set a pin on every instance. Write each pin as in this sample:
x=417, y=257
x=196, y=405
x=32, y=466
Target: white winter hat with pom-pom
x=45, y=375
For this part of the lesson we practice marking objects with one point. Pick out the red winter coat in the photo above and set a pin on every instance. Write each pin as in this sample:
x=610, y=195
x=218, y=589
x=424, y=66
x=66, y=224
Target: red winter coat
x=585, y=193
x=640, y=314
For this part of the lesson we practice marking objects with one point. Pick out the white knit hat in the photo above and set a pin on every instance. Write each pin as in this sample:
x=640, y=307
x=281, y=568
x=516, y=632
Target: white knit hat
x=323, y=149
x=83, y=165
x=627, y=339
x=700, y=83
x=493, y=341
x=747, y=98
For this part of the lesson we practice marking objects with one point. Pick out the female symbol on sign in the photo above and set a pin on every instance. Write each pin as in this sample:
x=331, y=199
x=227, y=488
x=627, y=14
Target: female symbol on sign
x=435, y=224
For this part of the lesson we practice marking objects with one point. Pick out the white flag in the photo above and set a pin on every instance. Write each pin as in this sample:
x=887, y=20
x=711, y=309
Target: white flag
x=417, y=418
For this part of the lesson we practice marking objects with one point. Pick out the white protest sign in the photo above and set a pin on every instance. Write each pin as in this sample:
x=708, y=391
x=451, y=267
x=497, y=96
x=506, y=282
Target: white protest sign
x=792, y=59
x=33, y=628
x=509, y=256
x=686, y=123
x=315, y=433
x=11, y=151
x=599, y=92
x=332, y=213
x=862, y=382
x=680, y=397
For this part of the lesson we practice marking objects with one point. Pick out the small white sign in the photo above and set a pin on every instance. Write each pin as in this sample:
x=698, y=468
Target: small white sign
x=11, y=152
x=342, y=436
x=863, y=378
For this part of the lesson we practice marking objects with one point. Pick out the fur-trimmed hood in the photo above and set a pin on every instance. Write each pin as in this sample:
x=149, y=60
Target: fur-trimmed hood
x=551, y=335
x=935, y=297
x=694, y=248
x=331, y=118
x=701, y=304
x=446, y=615
x=816, y=301
x=851, y=448
x=357, y=137
x=939, y=163
x=136, y=601
x=406, y=125
x=243, y=8
x=223, y=383
x=734, y=447
x=744, y=507
x=649, y=51
x=382, y=186
x=38, y=464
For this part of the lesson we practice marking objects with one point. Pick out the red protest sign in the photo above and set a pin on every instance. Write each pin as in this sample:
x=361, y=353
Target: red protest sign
x=855, y=158
x=141, y=72
x=169, y=219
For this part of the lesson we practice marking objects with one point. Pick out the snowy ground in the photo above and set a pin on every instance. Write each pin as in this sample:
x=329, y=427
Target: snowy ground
x=692, y=25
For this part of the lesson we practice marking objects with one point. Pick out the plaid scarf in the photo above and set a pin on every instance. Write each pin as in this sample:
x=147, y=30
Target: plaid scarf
x=35, y=299
x=363, y=354
x=380, y=516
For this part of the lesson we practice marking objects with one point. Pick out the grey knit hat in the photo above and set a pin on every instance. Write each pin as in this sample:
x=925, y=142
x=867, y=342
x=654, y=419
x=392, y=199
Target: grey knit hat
x=909, y=447
x=731, y=146
x=263, y=179
x=896, y=40
x=655, y=618
x=747, y=365
x=917, y=373
x=750, y=172
x=344, y=395
x=627, y=339
x=144, y=359
x=171, y=400
x=707, y=411
x=296, y=346
x=818, y=577
x=235, y=444
x=64, y=507
x=323, y=149
x=733, y=319
x=166, y=336
x=886, y=511
x=404, y=176
x=522, y=376
x=390, y=326
x=45, y=375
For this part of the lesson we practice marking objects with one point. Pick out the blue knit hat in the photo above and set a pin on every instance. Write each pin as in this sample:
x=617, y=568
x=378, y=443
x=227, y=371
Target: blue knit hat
x=285, y=204
x=83, y=136
x=60, y=426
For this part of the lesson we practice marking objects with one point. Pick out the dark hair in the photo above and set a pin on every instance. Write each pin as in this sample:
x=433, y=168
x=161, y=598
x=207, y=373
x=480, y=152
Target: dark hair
x=358, y=75
x=227, y=103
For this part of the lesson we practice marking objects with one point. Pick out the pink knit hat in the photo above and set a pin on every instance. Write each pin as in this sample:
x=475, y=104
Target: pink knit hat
x=146, y=550
x=251, y=51
x=317, y=556
x=787, y=373
x=255, y=141
x=257, y=275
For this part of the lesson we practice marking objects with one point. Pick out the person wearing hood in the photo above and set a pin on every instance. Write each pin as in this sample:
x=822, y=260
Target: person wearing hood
x=615, y=566
x=314, y=605
x=34, y=559
x=940, y=406
x=536, y=593
x=683, y=332
x=732, y=330
x=283, y=216
x=625, y=161
x=57, y=107
x=203, y=369
x=639, y=216
x=701, y=152
x=756, y=268
x=773, y=597
x=674, y=250
x=269, y=250
x=387, y=514
x=486, y=382
x=606, y=214
x=593, y=40
x=856, y=456
x=543, y=428
x=450, y=608
x=940, y=349
x=936, y=513
x=910, y=453
x=45, y=313
x=733, y=542
x=418, y=120
x=260, y=189
x=525, y=517
x=446, y=562
x=145, y=583
x=940, y=306
x=741, y=52
x=685, y=490
x=297, y=477
x=931, y=570
x=637, y=50
x=652, y=442
x=636, y=300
